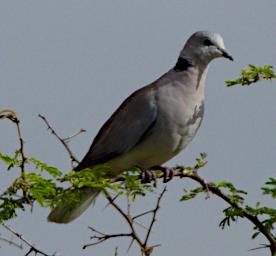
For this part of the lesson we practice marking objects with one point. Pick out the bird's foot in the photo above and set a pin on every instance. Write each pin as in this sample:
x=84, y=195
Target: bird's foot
x=168, y=173
x=147, y=176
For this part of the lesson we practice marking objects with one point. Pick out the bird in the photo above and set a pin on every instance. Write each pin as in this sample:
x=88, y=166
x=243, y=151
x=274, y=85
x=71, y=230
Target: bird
x=154, y=123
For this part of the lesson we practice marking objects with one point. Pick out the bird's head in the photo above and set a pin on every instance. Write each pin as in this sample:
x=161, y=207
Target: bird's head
x=205, y=46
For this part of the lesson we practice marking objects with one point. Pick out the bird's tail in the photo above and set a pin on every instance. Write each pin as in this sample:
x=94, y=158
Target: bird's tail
x=66, y=212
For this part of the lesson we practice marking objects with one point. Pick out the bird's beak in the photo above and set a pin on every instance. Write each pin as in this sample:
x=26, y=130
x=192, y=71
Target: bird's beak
x=225, y=54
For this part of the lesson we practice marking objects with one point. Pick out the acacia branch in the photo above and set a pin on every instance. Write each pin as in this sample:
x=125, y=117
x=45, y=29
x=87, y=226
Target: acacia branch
x=177, y=172
x=102, y=237
x=33, y=249
x=128, y=220
x=64, y=142
x=146, y=250
x=154, y=212
x=255, y=220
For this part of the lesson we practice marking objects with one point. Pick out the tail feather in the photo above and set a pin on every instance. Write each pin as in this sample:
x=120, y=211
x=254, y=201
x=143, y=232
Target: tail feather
x=65, y=212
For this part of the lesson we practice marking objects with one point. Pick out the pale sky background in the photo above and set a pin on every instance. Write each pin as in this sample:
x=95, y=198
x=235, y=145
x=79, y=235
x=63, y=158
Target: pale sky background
x=75, y=61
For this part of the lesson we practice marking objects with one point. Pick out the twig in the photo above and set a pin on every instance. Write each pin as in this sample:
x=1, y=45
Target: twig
x=62, y=141
x=142, y=214
x=67, y=139
x=11, y=115
x=154, y=216
x=33, y=248
x=21, y=149
x=102, y=237
x=128, y=220
x=262, y=246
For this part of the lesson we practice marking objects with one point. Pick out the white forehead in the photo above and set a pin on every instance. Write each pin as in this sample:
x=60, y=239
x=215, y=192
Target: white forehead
x=212, y=36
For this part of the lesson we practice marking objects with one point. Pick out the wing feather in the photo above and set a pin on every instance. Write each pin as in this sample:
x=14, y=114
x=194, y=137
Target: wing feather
x=129, y=124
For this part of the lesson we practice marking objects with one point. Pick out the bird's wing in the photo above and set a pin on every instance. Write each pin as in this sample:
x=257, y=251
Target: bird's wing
x=130, y=124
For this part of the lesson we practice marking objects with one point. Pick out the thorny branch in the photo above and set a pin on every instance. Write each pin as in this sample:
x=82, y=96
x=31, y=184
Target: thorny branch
x=177, y=172
x=64, y=141
x=33, y=248
x=11, y=115
x=209, y=187
x=146, y=250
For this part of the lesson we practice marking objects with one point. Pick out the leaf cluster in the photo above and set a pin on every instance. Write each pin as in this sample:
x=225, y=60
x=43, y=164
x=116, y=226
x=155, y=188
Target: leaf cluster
x=35, y=186
x=238, y=209
x=253, y=75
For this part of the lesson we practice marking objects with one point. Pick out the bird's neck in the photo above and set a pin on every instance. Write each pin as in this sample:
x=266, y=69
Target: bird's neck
x=186, y=67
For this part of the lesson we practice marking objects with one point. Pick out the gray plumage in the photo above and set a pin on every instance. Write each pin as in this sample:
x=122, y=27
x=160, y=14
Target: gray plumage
x=154, y=123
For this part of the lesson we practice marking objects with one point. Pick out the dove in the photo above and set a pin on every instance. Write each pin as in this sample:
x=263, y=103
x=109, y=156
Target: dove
x=154, y=123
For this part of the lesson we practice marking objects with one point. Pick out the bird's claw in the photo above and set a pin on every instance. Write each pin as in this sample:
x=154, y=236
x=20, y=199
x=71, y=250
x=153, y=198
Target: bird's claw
x=168, y=173
x=147, y=176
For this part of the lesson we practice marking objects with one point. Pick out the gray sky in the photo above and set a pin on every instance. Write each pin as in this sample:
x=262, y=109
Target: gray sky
x=75, y=61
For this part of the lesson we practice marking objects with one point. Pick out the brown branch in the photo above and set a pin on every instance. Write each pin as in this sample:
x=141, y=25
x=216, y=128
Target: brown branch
x=68, y=139
x=128, y=220
x=249, y=216
x=21, y=149
x=146, y=250
x=11, y=115
x=154, y=216
x=102, y=237
x=142, y=214
x=181, y=172
x=33, y=248
x=62, y=141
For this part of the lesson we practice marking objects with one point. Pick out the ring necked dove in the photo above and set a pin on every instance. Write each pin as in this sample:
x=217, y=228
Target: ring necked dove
x=154, y=123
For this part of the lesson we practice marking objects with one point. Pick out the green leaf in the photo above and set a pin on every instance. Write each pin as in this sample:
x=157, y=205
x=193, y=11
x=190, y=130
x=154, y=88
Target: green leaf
x=253, y=75
x=270, y=188
x=10, y=161
x=53, y=171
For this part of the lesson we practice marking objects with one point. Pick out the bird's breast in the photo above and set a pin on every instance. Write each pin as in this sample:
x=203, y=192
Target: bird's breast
x=180, y=116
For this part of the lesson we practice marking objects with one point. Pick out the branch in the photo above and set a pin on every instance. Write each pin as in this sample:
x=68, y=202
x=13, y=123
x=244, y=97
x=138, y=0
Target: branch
x=128, y=219
x=67, y=139
x=11, y=115
x=101, y=237
x=212, y=188
x=62, y=141
x=154, y=216
x=33, y=248
x=253, y=75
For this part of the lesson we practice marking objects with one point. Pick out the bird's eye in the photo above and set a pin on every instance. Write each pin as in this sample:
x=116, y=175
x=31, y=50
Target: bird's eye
x=207, y=42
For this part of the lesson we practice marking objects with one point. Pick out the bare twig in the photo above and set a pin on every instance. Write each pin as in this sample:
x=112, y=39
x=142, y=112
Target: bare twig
x=142, y=214
x=68, y=139
x=262, y=246
x=146, y=250
x=128, y=220
x=154, y=216
x=62, y=141
x=33, y=249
